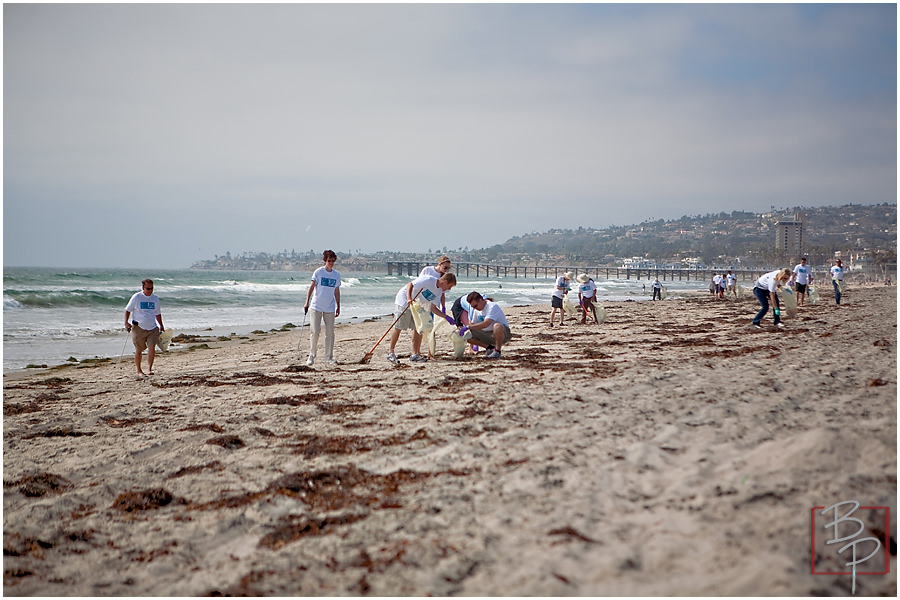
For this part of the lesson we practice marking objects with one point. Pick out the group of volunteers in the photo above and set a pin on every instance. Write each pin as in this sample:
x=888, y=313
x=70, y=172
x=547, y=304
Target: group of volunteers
x=587, y=297
x=800, y=279
x=723, y=284
x=480, y=321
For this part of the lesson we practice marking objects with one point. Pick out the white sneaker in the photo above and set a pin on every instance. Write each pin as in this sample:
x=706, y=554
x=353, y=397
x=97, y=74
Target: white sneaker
x=393, y=358
x=310, y=361
x=331, y=361
x=417, y=358
x=779, y=325
x=493, y=354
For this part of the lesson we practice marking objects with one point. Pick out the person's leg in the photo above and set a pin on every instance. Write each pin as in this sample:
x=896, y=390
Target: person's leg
x=137, y=340
x=395, y=335
x=137, y=361
x=315, y=327
x=329, y=336
x=763, y=297
x=837, y=291
x=499, y=336
x=416, y=342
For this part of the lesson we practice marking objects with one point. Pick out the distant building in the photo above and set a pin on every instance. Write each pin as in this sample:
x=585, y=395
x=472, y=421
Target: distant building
x=789, y=235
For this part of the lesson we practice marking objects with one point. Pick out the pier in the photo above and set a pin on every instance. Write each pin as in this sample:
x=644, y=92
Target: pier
x=469, y=269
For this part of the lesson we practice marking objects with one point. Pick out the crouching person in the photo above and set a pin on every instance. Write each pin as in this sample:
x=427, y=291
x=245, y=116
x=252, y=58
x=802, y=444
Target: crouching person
x=493, y=332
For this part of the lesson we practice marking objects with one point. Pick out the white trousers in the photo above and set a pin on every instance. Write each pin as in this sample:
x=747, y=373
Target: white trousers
x=315, y=326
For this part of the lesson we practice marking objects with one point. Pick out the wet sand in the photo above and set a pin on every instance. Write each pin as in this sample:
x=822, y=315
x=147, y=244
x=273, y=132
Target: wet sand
x=671, y=450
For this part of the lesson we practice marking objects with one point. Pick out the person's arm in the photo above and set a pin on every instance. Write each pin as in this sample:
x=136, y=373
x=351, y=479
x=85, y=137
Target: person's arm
x=159, y=320
x=127, y=322
x=409, y=293
x=482, y=325
x=337, y=300
x=309, y=294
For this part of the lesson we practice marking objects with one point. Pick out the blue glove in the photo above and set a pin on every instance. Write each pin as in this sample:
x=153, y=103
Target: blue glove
x=777, y=312
x=462, y=331
x=450, y=319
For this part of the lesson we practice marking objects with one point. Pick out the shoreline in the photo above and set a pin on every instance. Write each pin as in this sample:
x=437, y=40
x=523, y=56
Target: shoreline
x=672, y=450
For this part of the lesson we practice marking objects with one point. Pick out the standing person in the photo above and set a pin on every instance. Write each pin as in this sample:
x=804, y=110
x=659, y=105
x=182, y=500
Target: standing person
x=424, y=288
x=587, y=293
x=657, y=290
x=443, y=266
x=802, y=278
x=556, y=301
x=731, y=283
x=493, y=331
x=765, y=292
x=325, y=294
x=718, y=282
x=144, y=313
x=837, y=279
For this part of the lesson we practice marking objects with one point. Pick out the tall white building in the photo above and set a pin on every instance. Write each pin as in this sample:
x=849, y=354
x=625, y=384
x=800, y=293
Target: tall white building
x=789, y=235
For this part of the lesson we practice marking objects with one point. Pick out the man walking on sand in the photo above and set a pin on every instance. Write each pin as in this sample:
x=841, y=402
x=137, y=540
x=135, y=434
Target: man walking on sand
x=141, y=316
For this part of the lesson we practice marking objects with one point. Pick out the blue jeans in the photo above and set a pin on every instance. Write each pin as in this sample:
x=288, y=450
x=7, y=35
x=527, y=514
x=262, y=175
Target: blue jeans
x=837, y=291
x=763, y=297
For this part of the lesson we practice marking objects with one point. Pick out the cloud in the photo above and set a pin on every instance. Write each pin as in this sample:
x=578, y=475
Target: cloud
x=509, y=118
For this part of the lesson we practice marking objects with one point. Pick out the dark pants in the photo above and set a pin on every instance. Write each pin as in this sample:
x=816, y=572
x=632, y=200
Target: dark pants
x=657, y=293
x=837, y=291
x=763, y=297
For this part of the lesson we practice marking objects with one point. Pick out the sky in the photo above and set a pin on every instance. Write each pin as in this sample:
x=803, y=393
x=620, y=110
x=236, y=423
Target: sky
x=156, y=135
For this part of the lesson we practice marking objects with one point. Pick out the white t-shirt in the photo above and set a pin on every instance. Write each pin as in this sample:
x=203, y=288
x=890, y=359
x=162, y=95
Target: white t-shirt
x=430, y=291
x=144, y=309
x=802, y=274
x=323, y=294
x=588, y=289
x=717, y=280
x=560, y=283
x=431, y=272
x=656, y=285
x=768, y=281
x=730, y=279
x=493, y=312
x=837, y=272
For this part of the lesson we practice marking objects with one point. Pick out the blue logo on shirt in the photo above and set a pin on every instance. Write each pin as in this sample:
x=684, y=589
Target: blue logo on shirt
x=328, y=282
x=429, y=295
x=148, y=305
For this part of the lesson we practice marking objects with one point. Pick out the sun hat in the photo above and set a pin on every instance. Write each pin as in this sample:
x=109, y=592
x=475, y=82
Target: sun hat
x=569, y=275
x=583, y=278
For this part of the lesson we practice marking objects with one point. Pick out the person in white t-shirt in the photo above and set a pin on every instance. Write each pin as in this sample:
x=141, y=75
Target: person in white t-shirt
x=442, y=266
x=556, y=301
x=425, y=289
x=801, y=278
x=657, y=289
x=765, y=289
x=324, y=298
x=493, y=331
x=731, y=283
x=837, y=279
x=142, y=314
x=587, y=293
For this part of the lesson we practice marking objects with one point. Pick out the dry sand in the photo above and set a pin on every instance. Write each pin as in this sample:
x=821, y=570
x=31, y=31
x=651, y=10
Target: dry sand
x=673, y=450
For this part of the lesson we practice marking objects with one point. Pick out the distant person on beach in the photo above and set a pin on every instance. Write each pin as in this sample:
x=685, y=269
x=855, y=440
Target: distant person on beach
x=493, y=331
x=556, y=301
x=657, y=290
x=443, y=266
x=587, y=294
x=837, y=279
x=142, y=314
x=719, y=285
x=325, y=296
x=802, y=278
x=427, y=290
x=764, y=290
x=731, y=284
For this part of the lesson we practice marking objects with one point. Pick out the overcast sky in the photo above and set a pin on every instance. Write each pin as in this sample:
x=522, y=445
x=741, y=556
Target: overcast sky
x=156, y=135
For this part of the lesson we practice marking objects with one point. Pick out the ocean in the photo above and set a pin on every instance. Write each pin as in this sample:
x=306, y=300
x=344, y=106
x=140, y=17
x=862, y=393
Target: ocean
x=52, y=315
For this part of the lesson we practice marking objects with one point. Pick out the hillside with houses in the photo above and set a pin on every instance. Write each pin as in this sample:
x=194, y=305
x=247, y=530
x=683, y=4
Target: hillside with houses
x=864, y=236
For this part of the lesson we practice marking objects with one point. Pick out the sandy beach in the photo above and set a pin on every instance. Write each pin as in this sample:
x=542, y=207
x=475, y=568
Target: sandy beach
x=671, y=450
